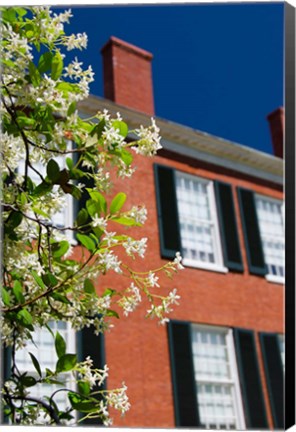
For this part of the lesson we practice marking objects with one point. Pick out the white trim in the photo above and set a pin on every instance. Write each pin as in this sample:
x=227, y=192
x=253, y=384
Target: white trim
x=275, y=279
x=204, y=265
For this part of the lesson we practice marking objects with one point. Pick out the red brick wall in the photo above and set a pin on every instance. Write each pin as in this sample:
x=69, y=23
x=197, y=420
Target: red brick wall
x=137, y=349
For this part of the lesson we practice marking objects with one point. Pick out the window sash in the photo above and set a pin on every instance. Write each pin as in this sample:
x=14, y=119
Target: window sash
x=224, y=411
x=270, y=220
x=200, y=237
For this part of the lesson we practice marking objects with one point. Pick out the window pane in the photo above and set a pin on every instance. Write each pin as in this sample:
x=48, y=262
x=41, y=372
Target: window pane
x=199, y=234
x=216, y=386
x=271, y=227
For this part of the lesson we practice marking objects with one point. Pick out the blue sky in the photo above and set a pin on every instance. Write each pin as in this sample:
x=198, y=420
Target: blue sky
x=217, y=67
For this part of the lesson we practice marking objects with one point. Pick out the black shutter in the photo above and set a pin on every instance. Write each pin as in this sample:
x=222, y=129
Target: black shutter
x=250, y=379
x=274, y=376
x=6, y=363
x=89, y=344
x=184, y=388
x=251, y=232
x=228, y=227
x=168, y=221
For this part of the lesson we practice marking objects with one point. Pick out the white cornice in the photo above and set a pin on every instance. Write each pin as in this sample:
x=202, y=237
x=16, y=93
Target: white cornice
x=196, y=144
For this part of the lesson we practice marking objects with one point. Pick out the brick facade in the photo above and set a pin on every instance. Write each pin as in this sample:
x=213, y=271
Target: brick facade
x=137, y=350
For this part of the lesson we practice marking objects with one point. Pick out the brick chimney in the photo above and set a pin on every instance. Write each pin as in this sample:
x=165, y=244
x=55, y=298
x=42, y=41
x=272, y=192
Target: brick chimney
x=128, y=75
x=276, y=121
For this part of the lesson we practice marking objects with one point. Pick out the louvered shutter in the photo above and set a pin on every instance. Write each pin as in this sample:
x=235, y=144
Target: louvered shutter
x=251, y=232
x=184, y=388
x=6, y=362
x=228, y=227
x=168, y=221
x=251, y=386
x=89, y=344
x=274, y=376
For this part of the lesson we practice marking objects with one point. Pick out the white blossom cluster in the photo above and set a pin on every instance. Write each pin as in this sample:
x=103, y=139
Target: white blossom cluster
x=88, y=374
x=149, y=142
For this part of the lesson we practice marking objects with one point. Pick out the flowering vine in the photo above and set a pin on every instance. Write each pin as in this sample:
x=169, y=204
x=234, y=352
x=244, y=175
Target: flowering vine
x=48, y=153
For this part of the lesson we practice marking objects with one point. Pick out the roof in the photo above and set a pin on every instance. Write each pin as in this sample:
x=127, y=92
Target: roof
x=199, y=145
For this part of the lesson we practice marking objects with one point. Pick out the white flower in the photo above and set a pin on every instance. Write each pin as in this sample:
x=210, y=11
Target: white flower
x=135, y=246
x=178, y=260
x=139, y=214
x=152, y=280
x=99, y=222
x=149, y=141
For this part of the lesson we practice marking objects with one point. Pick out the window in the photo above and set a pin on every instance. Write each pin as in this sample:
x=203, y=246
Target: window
x=198, y=221
x=196, y=217
x=216, y=380
x=218, y=392
x=270, y=219
x=44, y=351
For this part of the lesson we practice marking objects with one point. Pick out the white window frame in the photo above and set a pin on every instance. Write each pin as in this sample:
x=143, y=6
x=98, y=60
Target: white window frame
x=234, y=381
x=270, y=277
x=217, y=266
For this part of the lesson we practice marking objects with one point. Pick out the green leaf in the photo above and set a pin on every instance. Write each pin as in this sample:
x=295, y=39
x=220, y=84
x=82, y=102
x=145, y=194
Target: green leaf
x=60, y=248
x=75, y=192
x=38, y=279
x=93, y=207
x=24, y=121
x=112, y=313
x=40, y=212
x=42, y=189
x=89, y=287
x=66, y=363
x=109, y=292
x=28, y=381
x=45, y=62
x=20, y=11
x=18, y=292
x=34, y=74
x=49, y=279
x=121, y=126
x=82, y=217
x=98, y=129
x=36, y=364
x=25, y=317
x=69, y=162
x=126, y=221
x=81, y=403
x=57, y=66
x=6, y=297
x=60, y=345
x=14, y=220
x=86, y=241
x=67, y=88
x=83, y=388
x=72, y=108
x=53, y=170
x=97, y=196
x=117, y=202
x=59, y=297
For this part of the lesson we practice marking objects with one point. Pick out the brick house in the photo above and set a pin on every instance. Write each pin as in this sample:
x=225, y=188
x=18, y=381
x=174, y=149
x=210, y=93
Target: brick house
x=219, y=362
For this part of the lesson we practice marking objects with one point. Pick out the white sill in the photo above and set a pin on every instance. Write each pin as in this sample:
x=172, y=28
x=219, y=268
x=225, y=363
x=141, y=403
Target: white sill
x=275, y=279
x=204, y=266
